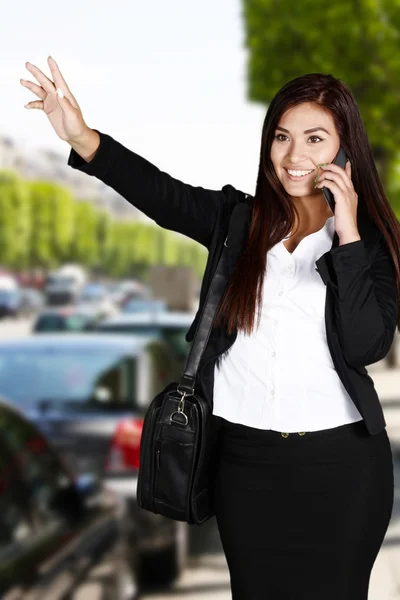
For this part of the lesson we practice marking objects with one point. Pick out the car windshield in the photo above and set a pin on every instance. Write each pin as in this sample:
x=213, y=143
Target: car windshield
x=93, y=292
x=133, y=305
x=57, y=322
x=68, y=377
x=60, y=280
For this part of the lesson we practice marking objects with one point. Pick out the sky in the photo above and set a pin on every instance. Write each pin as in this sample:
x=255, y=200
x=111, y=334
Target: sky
x=166, y=79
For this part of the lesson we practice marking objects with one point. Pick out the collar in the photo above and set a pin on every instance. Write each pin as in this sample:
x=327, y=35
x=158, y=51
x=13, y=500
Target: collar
x=239, y=223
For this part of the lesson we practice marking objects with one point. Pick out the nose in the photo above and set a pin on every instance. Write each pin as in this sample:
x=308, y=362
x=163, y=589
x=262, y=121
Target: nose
x=297, y=152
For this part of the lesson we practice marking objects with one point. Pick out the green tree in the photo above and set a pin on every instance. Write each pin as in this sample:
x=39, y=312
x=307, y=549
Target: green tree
x=104, y=239
x=84, y=246
x=15, y=220
x=42, y=225
x=354, y=40
x=64, y=223
x=41, y=251
x=52, y=223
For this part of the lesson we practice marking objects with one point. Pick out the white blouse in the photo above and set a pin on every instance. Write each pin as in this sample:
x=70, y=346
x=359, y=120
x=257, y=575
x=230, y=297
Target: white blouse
x=282, y=377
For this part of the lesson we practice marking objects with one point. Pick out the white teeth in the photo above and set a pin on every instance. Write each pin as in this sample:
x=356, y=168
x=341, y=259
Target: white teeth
x=299, y=173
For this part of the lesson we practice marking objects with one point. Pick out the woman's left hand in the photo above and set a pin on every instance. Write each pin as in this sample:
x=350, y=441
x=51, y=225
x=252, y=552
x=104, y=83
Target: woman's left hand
x=339, y=181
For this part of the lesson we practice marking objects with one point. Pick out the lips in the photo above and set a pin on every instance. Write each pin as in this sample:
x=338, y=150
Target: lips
x=294, y=178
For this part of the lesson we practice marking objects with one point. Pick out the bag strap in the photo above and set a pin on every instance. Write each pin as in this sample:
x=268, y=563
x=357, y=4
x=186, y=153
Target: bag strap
x=203, y=330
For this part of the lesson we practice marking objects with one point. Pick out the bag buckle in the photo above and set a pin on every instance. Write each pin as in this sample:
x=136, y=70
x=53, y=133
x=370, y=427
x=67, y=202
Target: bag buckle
x=184, y=393
x=181, y=407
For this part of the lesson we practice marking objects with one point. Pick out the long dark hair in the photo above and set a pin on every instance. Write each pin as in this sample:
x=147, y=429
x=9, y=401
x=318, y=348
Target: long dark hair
x=273, y=212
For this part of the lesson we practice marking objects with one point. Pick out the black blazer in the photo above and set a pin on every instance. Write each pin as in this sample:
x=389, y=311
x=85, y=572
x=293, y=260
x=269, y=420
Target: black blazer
x=362, y=303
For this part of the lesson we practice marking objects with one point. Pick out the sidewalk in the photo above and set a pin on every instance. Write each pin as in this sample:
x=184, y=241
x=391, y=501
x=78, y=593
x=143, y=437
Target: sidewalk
x=385, y=576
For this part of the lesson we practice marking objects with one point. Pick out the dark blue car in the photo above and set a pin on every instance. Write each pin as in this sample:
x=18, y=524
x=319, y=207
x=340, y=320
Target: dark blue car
x=88, y=393
x=57, y=531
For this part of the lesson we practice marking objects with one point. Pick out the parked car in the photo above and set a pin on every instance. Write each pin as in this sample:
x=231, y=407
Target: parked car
x=96, y=298
x=8, y=281
x=64, y=285
x=163, y=325
x=120, y=291
x=32, y=301
x=55, y=529
x=68, y=319
x=88, y=394
x=10, y=303
x=134, y=304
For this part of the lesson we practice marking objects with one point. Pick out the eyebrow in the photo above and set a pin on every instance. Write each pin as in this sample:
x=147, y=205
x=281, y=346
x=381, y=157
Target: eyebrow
x=306, y=131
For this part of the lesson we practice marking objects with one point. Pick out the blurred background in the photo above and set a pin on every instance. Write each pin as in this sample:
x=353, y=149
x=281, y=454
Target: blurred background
x=96, y=298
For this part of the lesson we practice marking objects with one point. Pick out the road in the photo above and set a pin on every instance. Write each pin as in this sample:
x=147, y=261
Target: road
x=206, y=575
x=12, y=328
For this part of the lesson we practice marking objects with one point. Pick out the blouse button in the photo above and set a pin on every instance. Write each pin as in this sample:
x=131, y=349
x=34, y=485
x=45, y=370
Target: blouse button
x=284, y=435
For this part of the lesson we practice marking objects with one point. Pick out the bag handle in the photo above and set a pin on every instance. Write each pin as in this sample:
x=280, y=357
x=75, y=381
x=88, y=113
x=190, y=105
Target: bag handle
x=203, y=330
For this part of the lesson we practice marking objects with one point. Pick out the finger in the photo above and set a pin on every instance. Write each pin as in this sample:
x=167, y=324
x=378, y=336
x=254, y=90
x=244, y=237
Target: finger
x=36, y=89
x=34, y=104
x=45, y=82
x=60, y=82
x=331, y=185
x=342, y=173
x=335, y=177
x=58, y=78
x=64, y=102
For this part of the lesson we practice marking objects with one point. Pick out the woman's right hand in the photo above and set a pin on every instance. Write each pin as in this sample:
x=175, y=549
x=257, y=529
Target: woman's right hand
x=64, y=113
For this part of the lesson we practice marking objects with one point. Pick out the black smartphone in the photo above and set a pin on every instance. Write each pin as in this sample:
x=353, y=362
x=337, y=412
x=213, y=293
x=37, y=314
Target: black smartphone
x=340, y=160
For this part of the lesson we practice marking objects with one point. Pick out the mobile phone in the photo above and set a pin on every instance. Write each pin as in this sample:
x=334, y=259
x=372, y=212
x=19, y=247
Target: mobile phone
x=340, y=160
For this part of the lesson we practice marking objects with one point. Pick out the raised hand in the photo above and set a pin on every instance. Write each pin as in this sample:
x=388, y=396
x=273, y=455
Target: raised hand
x=57, y=101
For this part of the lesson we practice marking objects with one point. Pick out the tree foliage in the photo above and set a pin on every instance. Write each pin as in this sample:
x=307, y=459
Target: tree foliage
x=43, y=225
x=357, y=41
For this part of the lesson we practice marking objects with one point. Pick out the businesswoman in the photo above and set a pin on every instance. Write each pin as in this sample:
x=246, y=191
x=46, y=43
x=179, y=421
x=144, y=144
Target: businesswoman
x=303, y=488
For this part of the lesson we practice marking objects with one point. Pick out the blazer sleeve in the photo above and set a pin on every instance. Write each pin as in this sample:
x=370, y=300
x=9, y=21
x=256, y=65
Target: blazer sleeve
x=171, y=203
x=366, y=301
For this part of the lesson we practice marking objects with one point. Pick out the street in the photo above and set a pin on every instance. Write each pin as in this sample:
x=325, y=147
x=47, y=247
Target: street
x=206, y=574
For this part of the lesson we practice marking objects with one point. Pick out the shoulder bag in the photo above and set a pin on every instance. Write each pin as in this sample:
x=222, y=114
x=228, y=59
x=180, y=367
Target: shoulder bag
x=177, y=439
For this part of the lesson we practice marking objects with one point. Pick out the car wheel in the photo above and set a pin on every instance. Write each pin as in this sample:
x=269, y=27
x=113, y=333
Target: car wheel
x=165, y=566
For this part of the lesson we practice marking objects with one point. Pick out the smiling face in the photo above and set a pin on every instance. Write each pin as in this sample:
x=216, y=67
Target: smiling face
x=298, y=149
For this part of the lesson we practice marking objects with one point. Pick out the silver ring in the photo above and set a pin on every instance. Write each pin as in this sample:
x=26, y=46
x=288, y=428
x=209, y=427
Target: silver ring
x=180, y=413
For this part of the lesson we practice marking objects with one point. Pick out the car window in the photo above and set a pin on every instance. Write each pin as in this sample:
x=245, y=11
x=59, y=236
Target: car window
x=74, y=322
x=50, y=323
x=143, y=305
x=76, y=377
x=137, y=329
x=42, y=479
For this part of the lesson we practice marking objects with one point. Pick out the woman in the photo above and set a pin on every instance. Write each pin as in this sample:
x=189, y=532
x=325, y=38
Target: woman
x=303, y=489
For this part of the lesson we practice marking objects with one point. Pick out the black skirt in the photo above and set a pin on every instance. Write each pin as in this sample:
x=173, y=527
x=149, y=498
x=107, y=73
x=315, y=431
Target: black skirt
x=302, y=517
